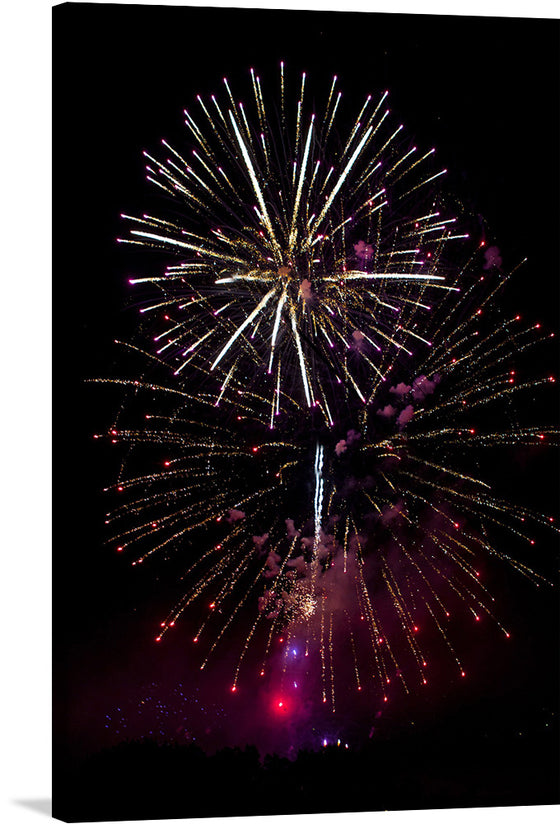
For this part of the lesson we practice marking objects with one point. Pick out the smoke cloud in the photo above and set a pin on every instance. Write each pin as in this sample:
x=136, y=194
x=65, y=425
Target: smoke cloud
x=363, y=250
x=400, y=390
x=234, y=515
x=387, y=411
x=405, y=416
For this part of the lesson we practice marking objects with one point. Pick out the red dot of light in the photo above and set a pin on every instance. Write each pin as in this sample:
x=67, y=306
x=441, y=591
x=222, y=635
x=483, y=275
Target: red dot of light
x=463, y=674
x=255, y=449
x=233, y=689
x=119, y=489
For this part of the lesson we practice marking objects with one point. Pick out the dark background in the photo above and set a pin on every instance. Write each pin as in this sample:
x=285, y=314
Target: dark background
x=484, y=92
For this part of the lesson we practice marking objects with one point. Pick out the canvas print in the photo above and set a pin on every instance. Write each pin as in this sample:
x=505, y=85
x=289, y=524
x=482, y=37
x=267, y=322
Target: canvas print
x=306, y=555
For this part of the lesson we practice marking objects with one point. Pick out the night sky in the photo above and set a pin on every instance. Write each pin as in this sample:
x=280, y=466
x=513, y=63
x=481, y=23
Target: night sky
x=485, y=93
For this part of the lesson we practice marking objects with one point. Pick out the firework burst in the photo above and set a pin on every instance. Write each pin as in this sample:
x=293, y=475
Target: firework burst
x=318, y=398
x=297, y=248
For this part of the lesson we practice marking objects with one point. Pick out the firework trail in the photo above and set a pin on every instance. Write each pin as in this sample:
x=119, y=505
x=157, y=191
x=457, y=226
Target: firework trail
x=323, y=380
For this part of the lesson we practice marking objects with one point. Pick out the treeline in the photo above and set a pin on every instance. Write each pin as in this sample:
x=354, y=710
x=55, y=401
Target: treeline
x=145, y=779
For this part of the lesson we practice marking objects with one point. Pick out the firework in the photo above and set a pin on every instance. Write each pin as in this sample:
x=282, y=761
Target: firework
x=297, y=249
x=318, y=398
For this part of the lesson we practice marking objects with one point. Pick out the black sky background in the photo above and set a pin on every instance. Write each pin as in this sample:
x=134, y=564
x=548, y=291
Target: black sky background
x=483, y=91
